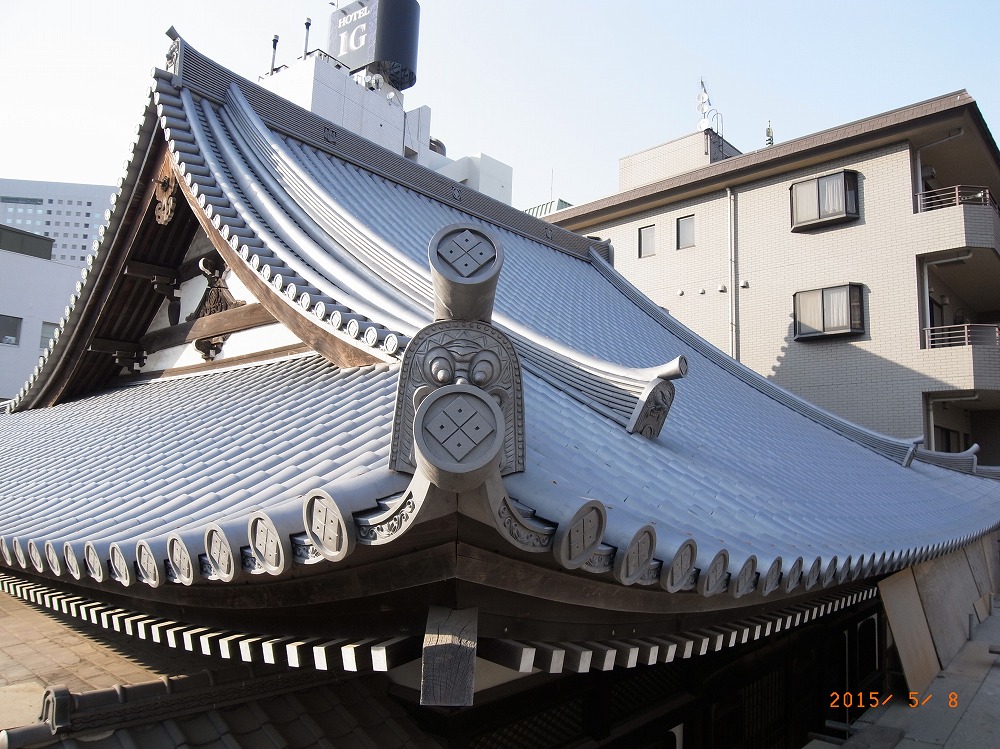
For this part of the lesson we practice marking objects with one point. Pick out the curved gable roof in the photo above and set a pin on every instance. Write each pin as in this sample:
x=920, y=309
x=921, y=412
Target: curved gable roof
x=317, y=221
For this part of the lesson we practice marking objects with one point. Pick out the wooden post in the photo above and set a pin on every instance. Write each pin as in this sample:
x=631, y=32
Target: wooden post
x=448, y=664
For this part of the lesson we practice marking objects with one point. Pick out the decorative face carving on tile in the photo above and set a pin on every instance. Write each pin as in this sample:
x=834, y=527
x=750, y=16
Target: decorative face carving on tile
x=470, y=356
x=459, y=404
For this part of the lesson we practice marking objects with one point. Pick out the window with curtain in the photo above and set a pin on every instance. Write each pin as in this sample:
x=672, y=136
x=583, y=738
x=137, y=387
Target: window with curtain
x=836, y=310
x=825, y=200
x=685, y=232
x=647, y=241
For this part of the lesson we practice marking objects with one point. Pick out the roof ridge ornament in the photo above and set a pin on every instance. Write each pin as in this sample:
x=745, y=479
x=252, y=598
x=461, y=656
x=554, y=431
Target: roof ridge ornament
x=654, y=403
x=459, y=418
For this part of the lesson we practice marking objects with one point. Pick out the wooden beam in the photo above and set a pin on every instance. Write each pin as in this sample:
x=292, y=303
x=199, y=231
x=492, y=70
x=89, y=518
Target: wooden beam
x=255, y=357
x=105, y=346
x=667, y=649
x=518, y=656
x=604, y=656
x=626, y=654
x=221, y=323
x=327, y=656
x=150, y=272
x=395, y=652
x=578, y=658
x=448, y=668
x=358, y=655
x=648, y=651
x=549, y=657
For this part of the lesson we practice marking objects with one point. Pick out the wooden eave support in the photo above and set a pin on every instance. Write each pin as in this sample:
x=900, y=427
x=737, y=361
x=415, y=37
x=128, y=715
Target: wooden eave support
x=95, y=304
x=105, y=346
x=517, y=656
x=150, y=272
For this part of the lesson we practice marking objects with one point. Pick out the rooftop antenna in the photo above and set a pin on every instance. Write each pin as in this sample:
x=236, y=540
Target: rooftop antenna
x=305, y=47
x=708, y=114
x=274, y=52
x=769, y=135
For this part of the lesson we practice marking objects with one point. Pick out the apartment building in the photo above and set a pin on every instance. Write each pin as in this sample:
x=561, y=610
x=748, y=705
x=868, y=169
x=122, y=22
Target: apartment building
x=858, y=267
x=70, y=214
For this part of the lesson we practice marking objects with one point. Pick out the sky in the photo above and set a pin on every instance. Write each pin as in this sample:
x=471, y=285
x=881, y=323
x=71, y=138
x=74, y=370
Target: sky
x=558, y=89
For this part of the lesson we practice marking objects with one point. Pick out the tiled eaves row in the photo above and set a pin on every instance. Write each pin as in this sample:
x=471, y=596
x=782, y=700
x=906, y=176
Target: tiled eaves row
x=199, y=496
x=226, y=461
x=346, y=655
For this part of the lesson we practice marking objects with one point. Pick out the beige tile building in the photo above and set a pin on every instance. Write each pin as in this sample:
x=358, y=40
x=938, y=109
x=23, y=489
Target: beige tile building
x=857, y=267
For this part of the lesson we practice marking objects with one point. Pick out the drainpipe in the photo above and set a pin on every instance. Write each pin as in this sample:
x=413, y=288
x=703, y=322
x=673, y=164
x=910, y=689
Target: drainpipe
x=734, y=325
x=919, y=181
x=930, y=441
x=927, y=285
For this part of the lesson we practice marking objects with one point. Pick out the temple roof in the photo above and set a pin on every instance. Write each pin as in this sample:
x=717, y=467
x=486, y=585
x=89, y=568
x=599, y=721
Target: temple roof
x=331, y=233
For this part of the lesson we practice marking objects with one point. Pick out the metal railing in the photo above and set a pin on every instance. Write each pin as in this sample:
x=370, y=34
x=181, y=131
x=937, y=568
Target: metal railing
x=946, y=197
x=962, y=335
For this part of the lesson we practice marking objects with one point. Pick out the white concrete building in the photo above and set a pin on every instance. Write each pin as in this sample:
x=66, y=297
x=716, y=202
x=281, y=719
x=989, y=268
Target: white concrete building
x=70, y=214
x=858, y=267
x=33, y=293
x=367, y=105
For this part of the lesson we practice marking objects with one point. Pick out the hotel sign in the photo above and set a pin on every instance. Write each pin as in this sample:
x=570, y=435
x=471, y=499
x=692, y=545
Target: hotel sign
x=353, y=33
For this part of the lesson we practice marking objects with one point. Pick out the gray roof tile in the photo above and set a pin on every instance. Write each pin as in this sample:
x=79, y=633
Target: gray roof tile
x=740, y=467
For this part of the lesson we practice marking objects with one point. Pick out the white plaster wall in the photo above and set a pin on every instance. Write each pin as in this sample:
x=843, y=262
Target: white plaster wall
x=238, y=344
x=36, y=291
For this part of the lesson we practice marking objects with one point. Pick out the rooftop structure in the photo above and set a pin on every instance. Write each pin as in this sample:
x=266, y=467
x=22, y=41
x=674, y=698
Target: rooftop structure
x=360, y=417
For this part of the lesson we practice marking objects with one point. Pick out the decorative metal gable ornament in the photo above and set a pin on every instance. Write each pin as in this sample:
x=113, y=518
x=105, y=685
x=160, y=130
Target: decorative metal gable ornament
x=459, y=405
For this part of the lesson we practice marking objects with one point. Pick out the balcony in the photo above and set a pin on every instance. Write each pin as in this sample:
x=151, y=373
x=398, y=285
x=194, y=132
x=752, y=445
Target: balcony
x=962, y=335
x=947, y=197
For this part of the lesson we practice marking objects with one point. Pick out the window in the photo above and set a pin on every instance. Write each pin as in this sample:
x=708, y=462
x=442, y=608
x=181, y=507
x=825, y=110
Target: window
x=10, y=330
x=837, y=310
x=48, y=331
x=647, y=241
x=831, y=199
x=685, y=232
x=17, y=199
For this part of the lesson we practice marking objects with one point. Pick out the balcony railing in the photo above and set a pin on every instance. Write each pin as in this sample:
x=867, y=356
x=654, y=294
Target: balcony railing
x=962, y=335
x=957, y=195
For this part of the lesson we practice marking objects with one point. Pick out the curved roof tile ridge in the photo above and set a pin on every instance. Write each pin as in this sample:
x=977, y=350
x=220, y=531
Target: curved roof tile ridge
x=407, y=277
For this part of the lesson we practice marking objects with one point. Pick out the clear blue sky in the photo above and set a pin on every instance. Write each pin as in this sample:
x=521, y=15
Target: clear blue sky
x=551, y=87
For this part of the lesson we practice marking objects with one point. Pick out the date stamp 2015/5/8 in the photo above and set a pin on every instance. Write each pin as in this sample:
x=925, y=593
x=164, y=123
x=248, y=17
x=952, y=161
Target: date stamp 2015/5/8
x=877, y=699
